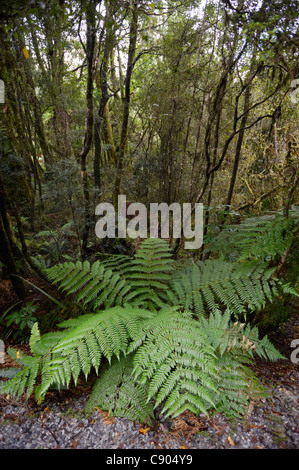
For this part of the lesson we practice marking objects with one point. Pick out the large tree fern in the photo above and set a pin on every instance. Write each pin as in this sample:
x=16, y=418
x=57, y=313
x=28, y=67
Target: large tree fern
x=171, y=339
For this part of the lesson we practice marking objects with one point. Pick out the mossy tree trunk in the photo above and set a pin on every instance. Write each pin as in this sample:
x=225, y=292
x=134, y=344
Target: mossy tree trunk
x=127, y=98
x=7, y=251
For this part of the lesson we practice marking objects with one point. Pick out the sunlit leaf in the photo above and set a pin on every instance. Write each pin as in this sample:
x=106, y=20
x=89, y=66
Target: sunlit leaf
x=25, y=52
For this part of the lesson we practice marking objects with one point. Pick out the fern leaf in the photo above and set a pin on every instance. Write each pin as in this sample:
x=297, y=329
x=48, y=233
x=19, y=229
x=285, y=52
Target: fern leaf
x=174, y=359
x=24, y=379
x=150, y=273
x=34, y=337
x=216, y=284
x=117, y=392
x=82, y=347
x=237, y=385
x=94, y=284
x=261, y=238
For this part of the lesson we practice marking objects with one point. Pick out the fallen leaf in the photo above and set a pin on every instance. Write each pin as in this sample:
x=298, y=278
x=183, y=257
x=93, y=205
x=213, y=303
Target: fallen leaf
x=143, y=430
x=230, y=441
x=106, y=416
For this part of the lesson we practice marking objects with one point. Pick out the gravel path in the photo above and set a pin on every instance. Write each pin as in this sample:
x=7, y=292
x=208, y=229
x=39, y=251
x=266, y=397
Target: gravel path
x=272, y=424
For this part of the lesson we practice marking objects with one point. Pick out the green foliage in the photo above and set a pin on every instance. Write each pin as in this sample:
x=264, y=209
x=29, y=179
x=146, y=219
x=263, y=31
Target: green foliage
x=23, y=378
x=20, y=322
x=177, y=362
x=237, y=385
x=186, y=365
x=216, y=283
x=164, y=357
x=64, y=355
x=87, y=339
x=50, y=245
x=150, y=273
x=93, y=284
x=141, y=281
x=261, y=238
x=226, y=335
x=117, y=392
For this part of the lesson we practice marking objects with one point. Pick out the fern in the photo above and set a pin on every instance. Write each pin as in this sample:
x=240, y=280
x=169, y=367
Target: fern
x=117, y=392
x=177, y=362
x=261, y=238
x=25, y=377
x=171, y=360
x=237, y=384
x=158, y=351
x=120, y=280
x=226, y=335
x=86, y=341
x=21, y=378
x=150, y=273
x=265, y=239
x=93, y=284
x=215, y=284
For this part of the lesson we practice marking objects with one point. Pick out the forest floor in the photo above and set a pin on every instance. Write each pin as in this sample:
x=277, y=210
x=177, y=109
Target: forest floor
x=60, y=422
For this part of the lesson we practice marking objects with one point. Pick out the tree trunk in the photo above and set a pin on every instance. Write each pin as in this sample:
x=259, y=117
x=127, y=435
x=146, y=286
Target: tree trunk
x=102, y=84
x=89, y=121
x=7, y=247
x=126, y=109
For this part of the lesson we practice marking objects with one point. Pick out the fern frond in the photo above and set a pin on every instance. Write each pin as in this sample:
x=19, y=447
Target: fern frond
x=226, y=335
x=117, y=392
x=117, y=263
x=261, y=238
x=23, y=379
x=149, y=274
x=93, y=284
x=34, y=337
x=9, y=372
x=216, y=284
x=176, y=361
x=82, y=347
x=237, y=384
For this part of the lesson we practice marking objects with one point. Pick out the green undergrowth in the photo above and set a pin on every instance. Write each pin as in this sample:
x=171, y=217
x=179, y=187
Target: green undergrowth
x=172, y=338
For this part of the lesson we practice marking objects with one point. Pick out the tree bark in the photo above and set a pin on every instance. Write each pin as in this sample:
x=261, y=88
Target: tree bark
x=126, y=108
x=103, y=111
x=89, y=120
x=7, y=247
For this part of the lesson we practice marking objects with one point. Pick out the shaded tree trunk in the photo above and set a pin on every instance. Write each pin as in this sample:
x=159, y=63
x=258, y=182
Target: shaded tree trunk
x=89, y=120
x=126, y=108
x=7, y=247
x=103, y=111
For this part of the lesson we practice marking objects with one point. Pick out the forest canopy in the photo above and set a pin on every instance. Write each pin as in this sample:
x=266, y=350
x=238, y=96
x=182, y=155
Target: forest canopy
x=181, y=101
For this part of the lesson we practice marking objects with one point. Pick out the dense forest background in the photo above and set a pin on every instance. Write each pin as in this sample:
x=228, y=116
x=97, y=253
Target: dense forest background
x=182, y=101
